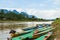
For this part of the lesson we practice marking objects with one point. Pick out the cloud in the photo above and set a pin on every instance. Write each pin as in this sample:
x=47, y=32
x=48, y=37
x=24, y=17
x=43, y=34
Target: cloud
x=56, y=1
x=18, y=9
x=46, y=13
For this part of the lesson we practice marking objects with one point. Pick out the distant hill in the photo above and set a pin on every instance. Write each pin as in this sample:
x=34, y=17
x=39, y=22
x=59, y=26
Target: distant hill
x=19, y=16
x=15, y=11
x=15, y=15
x=4, y=10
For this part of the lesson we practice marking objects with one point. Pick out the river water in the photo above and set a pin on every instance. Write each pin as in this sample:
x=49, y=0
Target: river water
x=6, y=27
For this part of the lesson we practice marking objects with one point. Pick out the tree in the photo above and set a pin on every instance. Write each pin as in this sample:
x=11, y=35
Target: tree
x=2, y=14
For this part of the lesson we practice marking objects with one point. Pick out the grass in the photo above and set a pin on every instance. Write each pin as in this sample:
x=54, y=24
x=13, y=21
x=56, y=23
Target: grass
x=56, y=31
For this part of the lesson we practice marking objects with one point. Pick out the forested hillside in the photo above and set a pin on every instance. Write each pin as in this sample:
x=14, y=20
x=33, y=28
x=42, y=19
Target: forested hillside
x=16, y=16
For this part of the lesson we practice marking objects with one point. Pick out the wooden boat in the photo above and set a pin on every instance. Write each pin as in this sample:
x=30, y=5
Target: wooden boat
x=29, y=34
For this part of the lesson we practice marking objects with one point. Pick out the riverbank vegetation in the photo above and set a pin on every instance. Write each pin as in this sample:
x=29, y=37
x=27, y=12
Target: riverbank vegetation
x=56, y=31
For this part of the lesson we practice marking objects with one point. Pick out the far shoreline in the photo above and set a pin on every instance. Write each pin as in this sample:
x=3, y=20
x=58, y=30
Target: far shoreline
x=21, y=21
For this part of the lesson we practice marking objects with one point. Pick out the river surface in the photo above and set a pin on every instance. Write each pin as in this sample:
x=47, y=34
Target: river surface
x=6, y=27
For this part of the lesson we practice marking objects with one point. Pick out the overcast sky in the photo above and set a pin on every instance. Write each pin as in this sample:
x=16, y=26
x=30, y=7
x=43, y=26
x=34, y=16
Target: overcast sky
x=41, y=8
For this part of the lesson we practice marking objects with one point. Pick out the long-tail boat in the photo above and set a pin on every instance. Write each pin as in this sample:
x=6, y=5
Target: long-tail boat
x=42, y=33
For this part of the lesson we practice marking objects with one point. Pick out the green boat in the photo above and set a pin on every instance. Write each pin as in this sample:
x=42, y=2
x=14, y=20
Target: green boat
x=29, y=34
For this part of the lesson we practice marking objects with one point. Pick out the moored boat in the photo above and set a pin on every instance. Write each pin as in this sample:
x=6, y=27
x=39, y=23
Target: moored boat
x=42, y=32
